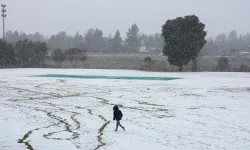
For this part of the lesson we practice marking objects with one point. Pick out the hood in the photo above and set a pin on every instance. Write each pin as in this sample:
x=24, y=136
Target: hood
x=115, y=107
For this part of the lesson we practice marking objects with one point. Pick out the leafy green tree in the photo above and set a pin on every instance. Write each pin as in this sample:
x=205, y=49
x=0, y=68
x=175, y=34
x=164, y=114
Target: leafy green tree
x=232, y=36
x=153, y=42
x=116, y=42
x=149, y=42
x=30, y=54
x=148, y=63
x=24, y=52
x=40, y=51
x=7, y=55
x=13, y=37
x=77, y=40
x=94, y=41
x=223, y=64
x=184, y=38
x=58, y=56
x=209, y=49
x=133, y=39
x=63, y=41
x=75, y=54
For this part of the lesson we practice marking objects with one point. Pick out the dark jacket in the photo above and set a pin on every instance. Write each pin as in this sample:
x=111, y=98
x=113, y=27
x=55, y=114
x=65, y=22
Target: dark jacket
x=117, y=113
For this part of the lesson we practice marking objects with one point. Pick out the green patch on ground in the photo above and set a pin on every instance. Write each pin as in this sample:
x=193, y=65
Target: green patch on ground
x=146, y=103
x=105, y=77
x=99, y=137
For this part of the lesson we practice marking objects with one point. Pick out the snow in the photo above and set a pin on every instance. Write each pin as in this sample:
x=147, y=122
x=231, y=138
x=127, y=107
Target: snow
x=199, y=111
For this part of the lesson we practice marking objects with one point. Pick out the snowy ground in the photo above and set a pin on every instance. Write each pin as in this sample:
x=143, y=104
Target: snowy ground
x=200, y=111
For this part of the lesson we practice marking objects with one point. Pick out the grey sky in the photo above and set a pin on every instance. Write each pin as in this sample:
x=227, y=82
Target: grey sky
x=51, y=16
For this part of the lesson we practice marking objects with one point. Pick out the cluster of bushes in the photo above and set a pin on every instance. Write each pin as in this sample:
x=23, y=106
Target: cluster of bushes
x=73, y=55
x=23, y=53
x=242, y=68
x=27, y=53
x=222, y=66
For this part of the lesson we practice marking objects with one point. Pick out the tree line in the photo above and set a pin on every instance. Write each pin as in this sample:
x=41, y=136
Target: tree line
x=182, y=39
x=27, y=54
x=93, y=41
x=227, y=44
x=24, y=53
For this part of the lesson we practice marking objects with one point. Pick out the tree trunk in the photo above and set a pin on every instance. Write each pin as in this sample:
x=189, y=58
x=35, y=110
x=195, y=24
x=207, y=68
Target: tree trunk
x=180, y=68
x=194, y=65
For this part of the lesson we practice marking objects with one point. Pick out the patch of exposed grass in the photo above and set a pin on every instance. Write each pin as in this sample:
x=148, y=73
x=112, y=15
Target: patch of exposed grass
x=50, y=94
x=78, y=125
x=164, y=116
x=25, y=137
x=162, y=109
x=235, y=90
x=99, y=137
x=146, y=103
x=102, y=117
x=90, y=111
x=29, y=147
x=194, y=108
x=222, y=107
x=103, y=126
x=72, y=95
x=192, y=94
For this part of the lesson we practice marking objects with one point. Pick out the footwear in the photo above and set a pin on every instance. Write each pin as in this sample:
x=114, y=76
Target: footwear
x=116, y=130
x=123, y=128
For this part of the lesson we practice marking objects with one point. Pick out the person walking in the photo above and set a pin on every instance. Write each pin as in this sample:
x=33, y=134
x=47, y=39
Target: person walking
x=117, y=116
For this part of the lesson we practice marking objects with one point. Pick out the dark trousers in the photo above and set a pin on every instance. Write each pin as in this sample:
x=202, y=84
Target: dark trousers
x=118, y=124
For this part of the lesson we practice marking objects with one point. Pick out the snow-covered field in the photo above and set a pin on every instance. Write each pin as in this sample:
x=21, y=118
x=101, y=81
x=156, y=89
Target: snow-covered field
x=200, y=111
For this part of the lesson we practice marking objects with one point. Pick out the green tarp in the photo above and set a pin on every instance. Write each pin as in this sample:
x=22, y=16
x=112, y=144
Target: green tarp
x=106, y=77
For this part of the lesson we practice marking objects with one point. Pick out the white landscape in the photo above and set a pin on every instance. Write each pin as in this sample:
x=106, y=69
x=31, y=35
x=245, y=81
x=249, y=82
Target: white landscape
x=198, y=111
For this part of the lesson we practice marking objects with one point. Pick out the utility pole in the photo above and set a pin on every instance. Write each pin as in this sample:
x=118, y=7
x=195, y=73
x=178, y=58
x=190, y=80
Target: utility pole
x=3, y=15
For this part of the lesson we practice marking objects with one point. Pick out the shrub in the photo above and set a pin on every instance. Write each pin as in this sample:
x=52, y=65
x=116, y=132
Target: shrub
x=147, y=63
x=58, y=56
x=222, y=64
x=243, y=68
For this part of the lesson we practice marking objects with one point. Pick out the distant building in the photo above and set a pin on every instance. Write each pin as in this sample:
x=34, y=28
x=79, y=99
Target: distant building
x=244, y=53
x=143, y=49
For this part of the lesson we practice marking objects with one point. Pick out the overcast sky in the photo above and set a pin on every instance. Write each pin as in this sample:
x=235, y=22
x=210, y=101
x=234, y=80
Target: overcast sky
x=51, y=16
